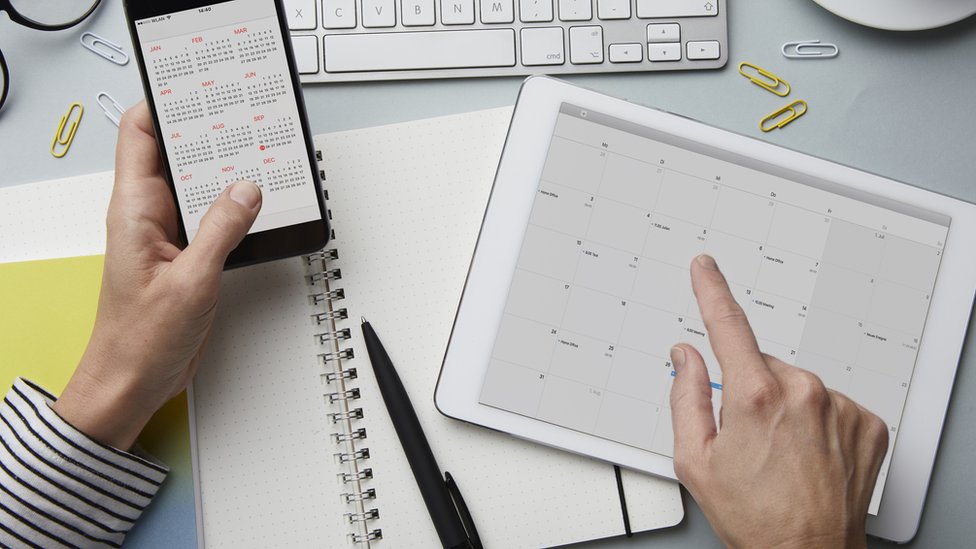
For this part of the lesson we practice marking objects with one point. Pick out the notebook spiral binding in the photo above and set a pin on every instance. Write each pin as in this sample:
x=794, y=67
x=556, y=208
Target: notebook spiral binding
x=324, y=277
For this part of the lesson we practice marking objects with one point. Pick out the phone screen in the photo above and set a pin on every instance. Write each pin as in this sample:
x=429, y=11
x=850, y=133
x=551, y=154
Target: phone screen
x=227, y=110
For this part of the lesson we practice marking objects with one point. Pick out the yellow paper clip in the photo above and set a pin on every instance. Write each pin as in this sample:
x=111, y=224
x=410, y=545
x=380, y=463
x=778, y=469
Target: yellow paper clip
x=768, y=81
x=59, y=137
x=795, y=109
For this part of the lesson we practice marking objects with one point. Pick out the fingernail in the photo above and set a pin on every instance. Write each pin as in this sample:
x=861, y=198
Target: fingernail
x=245, y=193
x=708, y=262
x=677, y=357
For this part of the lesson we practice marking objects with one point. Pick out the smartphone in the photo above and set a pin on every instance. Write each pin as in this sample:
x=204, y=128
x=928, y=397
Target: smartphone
x=221, y=82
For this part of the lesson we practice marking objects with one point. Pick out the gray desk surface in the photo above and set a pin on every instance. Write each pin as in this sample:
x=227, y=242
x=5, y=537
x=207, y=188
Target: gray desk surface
x=895, y=104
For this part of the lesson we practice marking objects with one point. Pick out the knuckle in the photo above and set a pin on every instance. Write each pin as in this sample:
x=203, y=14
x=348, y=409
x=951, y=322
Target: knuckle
x=763, y=396
x=810, y=391
x=876, y=430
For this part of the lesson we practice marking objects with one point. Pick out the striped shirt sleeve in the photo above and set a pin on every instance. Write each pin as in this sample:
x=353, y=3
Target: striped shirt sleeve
x=59, y=488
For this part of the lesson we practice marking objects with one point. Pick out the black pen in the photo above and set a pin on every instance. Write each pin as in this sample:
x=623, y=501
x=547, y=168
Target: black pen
x=441, y=495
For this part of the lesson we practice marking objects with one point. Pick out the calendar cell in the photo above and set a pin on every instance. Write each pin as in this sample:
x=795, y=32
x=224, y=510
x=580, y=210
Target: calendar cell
x=562, y=209
x=854, y=247
x=739, y=259
x=619, y=225
x=581, y=359
x=787, y=274
x=550, y=253
x=574, y=165
x=743, y=214
x=631, y=181
x=898, y=307
x=594, y=313
x=801, y=231
x=525, y=342
x=538, y=298
x=639, y=375
x=778, y=319
x=834, y=335
x=571, y=404
x=887, y=351
x=663, y=286
x=513, y=387
x=606, y=269
x=649, y=330
x=843, y=291
x=909, y=263
x=688, y=198
x=674, y=241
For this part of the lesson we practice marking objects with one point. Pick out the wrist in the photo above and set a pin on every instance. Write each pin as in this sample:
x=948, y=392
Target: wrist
x=104, y=401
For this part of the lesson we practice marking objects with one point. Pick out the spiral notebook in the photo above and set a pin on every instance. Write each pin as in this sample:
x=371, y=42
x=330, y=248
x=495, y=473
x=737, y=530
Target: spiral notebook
x=294, y=445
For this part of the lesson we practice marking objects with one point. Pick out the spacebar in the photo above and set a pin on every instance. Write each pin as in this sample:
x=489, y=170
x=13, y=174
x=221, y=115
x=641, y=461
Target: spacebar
x=396, y=51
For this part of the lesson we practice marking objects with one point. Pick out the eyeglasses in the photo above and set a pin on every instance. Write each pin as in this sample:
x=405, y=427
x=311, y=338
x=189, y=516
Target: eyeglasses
x=45, y=15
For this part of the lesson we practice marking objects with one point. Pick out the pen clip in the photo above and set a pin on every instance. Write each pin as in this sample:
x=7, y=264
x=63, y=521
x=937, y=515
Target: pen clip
x=452, y=488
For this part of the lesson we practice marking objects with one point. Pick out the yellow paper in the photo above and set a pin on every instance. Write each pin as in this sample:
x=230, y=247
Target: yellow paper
x=47, y=310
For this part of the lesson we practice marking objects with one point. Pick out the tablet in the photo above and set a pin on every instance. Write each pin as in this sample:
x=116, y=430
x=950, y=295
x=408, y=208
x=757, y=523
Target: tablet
x=580, y=284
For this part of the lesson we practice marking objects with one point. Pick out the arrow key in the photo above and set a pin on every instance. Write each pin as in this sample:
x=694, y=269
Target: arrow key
x=626, y=53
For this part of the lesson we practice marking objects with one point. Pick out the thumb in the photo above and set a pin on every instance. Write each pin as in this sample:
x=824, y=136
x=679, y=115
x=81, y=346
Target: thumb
x=224, y=226
x=692, y=418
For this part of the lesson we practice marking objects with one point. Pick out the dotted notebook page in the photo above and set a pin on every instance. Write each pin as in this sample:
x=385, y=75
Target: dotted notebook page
x=35, y=218
x=407, y=204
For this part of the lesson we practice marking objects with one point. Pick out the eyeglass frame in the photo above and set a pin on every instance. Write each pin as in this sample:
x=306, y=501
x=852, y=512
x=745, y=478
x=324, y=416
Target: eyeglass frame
x=17, y=17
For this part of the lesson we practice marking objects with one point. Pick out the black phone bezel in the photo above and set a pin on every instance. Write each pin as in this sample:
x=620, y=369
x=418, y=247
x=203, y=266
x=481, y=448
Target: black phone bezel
x=262, y=246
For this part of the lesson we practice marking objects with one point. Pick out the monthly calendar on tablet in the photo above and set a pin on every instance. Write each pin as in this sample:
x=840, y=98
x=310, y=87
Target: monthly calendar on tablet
x=833, y=280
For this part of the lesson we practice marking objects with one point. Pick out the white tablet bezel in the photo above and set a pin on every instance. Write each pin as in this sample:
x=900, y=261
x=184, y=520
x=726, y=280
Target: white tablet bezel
x=499, y=243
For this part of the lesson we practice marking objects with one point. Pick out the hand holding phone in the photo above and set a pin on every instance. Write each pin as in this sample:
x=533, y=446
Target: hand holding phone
x=221, y=84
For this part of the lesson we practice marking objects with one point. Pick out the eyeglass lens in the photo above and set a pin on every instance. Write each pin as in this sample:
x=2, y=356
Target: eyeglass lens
x=53, y=13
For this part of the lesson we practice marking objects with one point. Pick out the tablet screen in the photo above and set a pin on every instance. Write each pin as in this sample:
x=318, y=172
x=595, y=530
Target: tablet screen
x=833, y=280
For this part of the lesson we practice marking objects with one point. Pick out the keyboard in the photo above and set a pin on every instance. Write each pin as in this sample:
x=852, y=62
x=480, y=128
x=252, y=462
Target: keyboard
x=354, y=40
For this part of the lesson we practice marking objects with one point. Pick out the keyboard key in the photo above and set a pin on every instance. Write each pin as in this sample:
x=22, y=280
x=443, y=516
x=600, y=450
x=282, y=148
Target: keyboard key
x=668, y=32
x=707, y=49
x=575, y=10
x=664, y=52
x=417, y=13
x=497, y=11
x=457, y=12
x=306, y=53
x=626, y=53
x=378, y=13
x=339, y=14
x=676, y=8
x=542, y=46
x=420, y=50
x=613, y=9
x=301, y=15
x=535, y=11
x=586, y=45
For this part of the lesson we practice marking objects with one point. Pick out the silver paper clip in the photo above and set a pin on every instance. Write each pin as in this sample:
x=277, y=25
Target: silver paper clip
x=113, y=110
x=104, y=48
x=809, y=49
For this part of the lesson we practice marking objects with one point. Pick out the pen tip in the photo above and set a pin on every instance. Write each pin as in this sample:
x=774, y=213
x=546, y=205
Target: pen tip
x=364, y=319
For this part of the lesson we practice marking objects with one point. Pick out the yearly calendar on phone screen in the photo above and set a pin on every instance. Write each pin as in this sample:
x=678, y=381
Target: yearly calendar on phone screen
x=833, y=280
x=227, y=110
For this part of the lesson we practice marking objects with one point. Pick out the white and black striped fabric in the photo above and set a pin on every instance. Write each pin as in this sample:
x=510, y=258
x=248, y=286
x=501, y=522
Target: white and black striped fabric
x=59, y=488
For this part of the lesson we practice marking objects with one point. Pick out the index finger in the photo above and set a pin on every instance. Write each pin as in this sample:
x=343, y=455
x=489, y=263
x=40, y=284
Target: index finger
x=137, y=155
x=729, y=332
